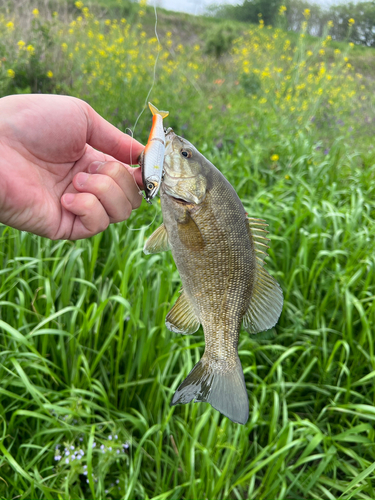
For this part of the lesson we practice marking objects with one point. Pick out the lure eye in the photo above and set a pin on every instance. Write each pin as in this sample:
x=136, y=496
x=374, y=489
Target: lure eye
x=150, y=186
x=186, y=154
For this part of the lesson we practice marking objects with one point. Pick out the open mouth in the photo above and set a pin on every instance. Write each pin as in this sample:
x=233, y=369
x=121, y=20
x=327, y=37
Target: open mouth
x=179, y=200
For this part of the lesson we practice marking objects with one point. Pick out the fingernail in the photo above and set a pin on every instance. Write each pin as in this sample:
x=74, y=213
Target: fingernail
x=94, y=167
x=68, y=198
x=82, y=178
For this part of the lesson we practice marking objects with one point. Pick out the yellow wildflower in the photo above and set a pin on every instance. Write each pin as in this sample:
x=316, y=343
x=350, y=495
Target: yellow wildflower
x=49, y=74
x=35, y=13
x=30, y=49
x=309, y=53
x=64, y=46
x=21, y=44
x=11, y=73
x=330, y=24
x=79, y=4
x=282, y=10
x=306, y=13
x=351, y=44
x=351, y=21
x=10, y=26
x=274, y=157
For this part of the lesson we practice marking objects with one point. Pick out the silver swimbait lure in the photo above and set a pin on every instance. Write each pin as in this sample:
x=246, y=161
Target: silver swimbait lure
x=152, y=158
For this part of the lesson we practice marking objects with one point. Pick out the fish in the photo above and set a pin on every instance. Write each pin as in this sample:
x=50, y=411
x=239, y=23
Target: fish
x=219, y=252
x=152, y=158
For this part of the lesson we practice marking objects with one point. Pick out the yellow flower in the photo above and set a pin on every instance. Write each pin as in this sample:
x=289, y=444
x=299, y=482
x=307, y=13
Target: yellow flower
x=337, y=51
x=79, y=4
x=274, y=157
x=107, y=22
x=169, y=34
x=49, y=74
x=30, y=49
x=287, y=177
x=64, y=46
x=10, y=26
x=322, y=52
x=351, y=44
x=21, y=44
x=309, y=53
x=11, y=73
x=351, y=21
x=282, y=10
x=141, y=13
x=330, y=24
x=35, y=13
x=306, y=13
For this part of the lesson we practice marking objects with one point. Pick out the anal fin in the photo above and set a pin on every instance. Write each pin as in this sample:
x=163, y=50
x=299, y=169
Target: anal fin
x=182, y=318
x=157, y=242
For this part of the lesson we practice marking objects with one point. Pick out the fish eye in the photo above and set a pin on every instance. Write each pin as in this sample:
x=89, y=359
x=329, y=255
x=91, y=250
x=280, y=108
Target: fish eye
x=185, y=153
x=150, y=186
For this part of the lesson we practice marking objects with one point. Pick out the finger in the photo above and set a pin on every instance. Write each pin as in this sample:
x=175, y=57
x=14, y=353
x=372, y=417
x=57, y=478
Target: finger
x=109, y=139
x=137, y=173
x=108, y=192
x=92, y=217
x=123, y=175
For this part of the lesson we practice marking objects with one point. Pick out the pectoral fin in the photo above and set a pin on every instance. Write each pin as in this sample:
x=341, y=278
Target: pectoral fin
x=157, y=242
x=189, y=233
x=182, y=318
x=266, y=303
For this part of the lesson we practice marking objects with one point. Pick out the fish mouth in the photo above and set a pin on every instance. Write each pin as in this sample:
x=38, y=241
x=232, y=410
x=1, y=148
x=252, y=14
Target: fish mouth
x=170, y=194
x=181, y=201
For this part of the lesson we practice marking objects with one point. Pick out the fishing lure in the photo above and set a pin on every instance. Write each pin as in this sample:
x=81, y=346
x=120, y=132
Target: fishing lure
x=152, y=158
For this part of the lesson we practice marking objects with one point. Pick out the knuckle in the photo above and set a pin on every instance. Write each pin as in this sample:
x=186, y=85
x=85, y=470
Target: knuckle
x=113, y=169
x=102, y=184
x=89, y=202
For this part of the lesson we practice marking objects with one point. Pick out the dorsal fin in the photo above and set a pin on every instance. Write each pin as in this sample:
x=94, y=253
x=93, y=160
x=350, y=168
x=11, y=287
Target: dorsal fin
x=257, y=234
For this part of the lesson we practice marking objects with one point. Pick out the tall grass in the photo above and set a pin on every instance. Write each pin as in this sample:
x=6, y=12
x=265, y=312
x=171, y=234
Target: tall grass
x=86, y=360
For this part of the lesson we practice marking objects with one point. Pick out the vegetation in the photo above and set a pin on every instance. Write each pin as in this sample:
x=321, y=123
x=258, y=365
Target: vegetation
x=363, y=32
x=88, y=368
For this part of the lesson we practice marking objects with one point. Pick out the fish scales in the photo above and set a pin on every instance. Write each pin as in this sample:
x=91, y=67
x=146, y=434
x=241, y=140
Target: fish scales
x=214, y=248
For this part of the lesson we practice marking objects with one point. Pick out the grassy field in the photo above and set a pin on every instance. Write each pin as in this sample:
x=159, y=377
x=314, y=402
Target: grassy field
x=87, y=367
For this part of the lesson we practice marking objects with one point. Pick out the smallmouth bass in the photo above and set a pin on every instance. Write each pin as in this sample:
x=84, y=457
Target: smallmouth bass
x=217, y=250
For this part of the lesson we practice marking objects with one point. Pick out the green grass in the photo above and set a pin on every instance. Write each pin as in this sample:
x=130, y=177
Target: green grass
x=85, y=354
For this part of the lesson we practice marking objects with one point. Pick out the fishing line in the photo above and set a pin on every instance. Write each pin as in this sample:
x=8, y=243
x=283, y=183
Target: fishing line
x=131, y=132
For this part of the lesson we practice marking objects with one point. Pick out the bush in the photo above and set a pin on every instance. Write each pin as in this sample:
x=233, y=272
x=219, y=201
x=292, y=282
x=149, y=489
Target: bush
x=219, y=40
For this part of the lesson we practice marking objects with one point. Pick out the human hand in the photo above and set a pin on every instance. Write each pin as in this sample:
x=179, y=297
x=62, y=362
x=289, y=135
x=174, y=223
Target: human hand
x=52, y=181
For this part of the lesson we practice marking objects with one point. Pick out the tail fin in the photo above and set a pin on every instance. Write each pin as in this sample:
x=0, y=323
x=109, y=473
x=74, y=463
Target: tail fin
x=154, y=110
x=218, y=383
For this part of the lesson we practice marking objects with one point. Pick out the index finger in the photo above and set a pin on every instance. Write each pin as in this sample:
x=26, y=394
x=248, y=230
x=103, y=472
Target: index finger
x=105, y=137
